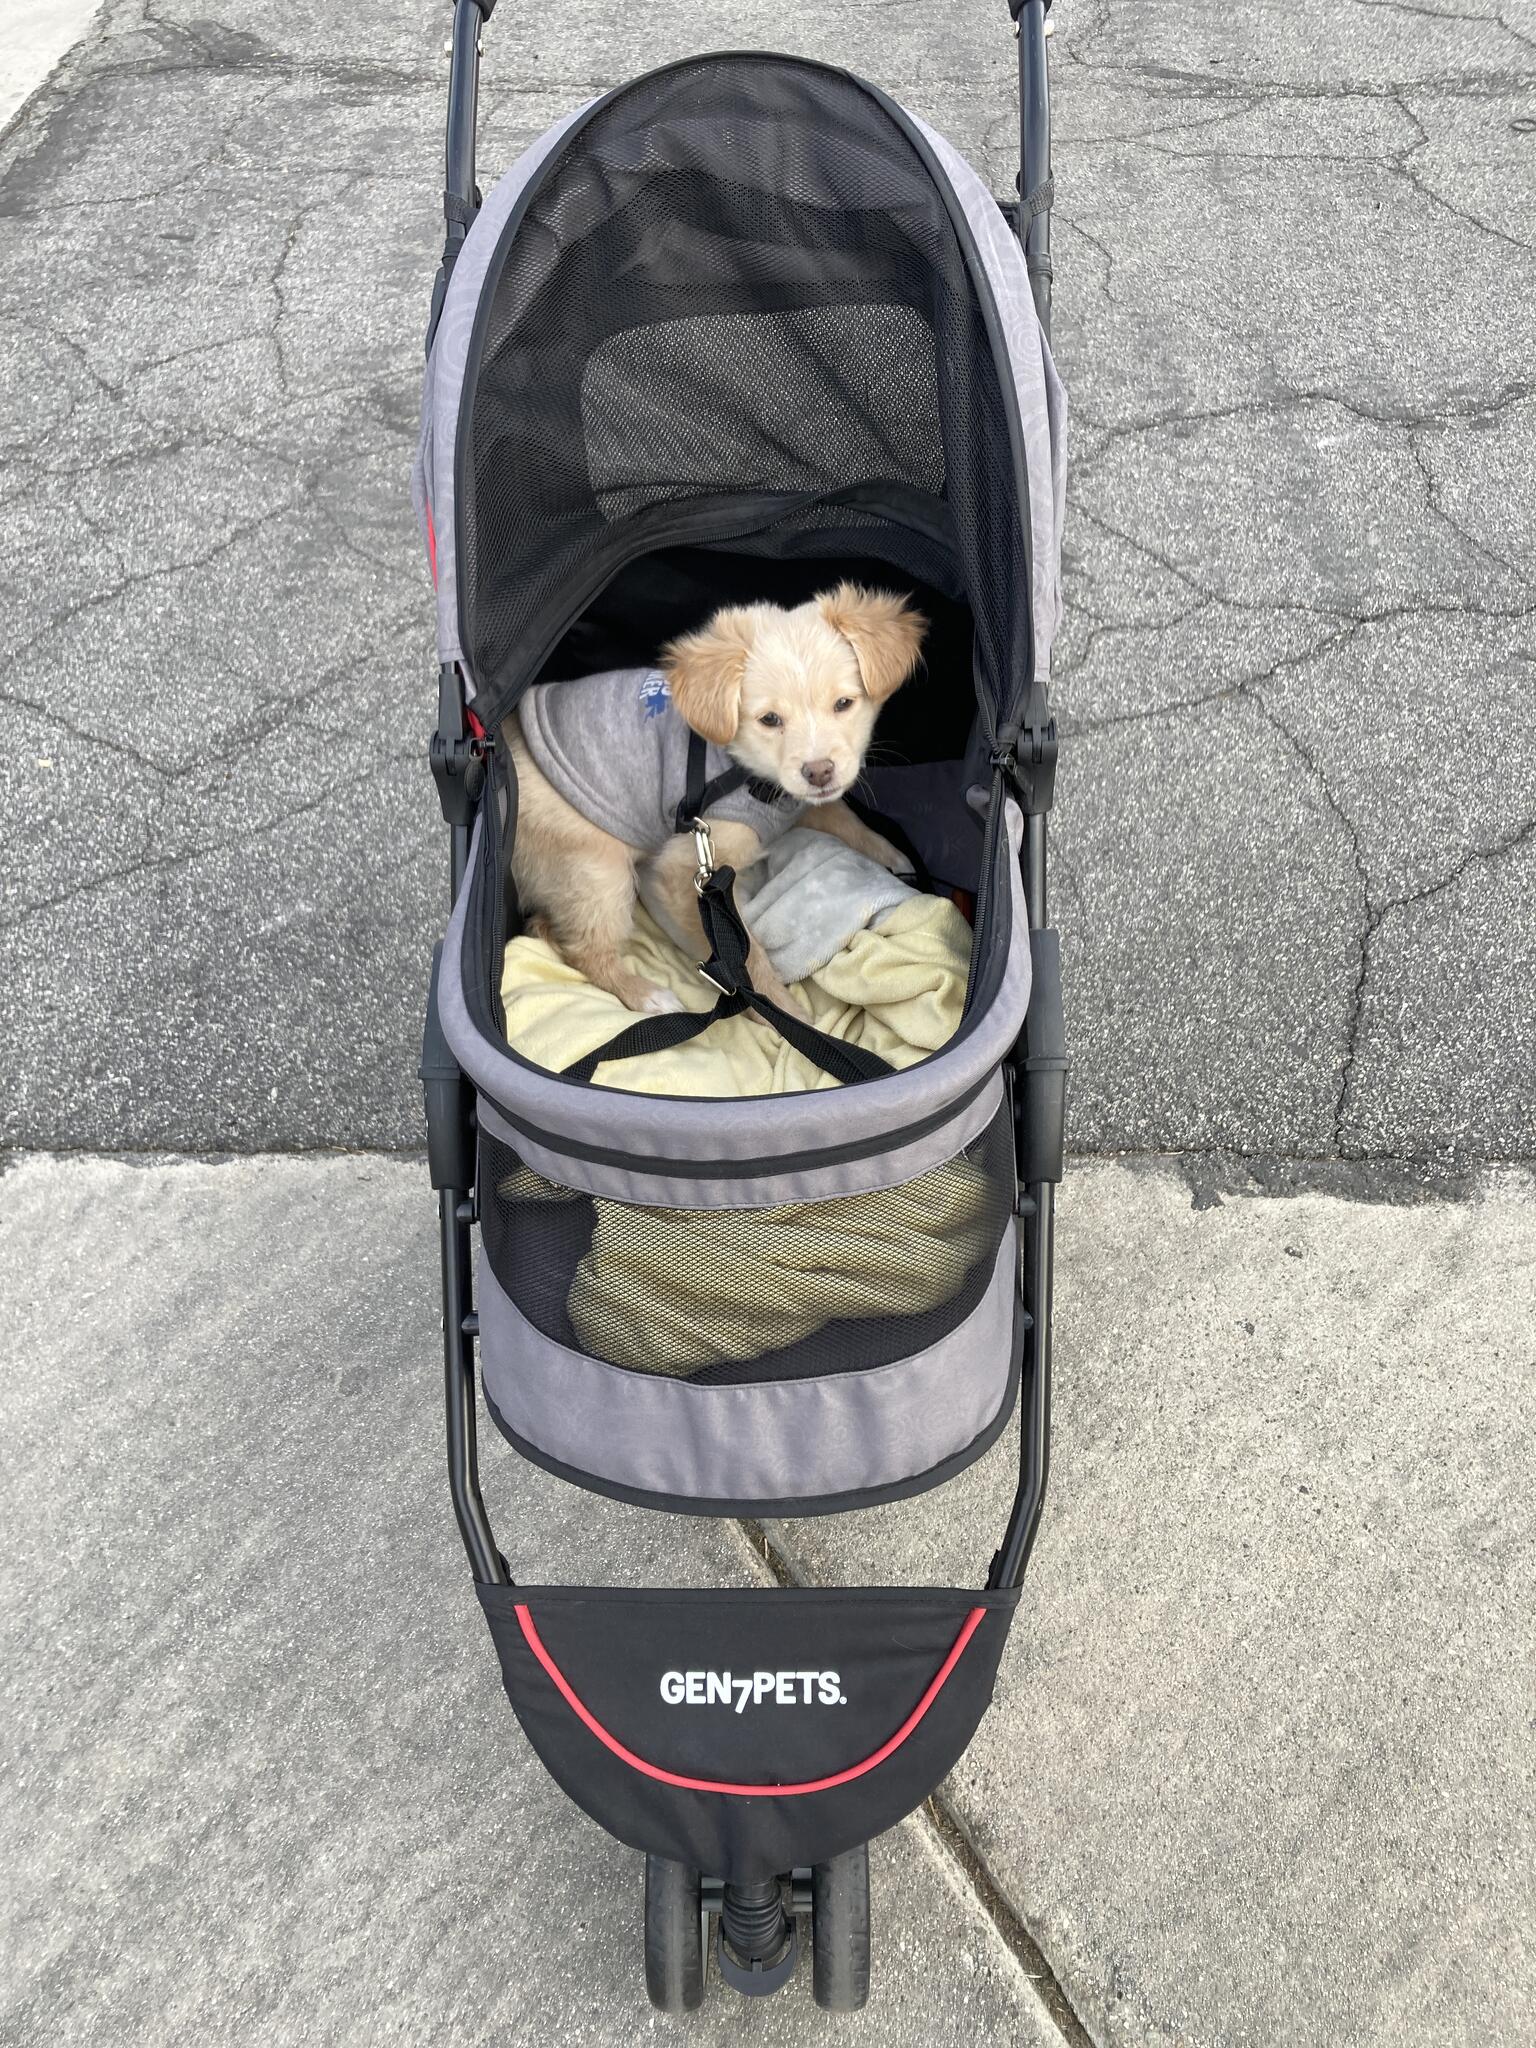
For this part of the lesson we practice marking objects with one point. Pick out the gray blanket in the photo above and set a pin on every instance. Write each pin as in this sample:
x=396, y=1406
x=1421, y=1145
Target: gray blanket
x=807, y=897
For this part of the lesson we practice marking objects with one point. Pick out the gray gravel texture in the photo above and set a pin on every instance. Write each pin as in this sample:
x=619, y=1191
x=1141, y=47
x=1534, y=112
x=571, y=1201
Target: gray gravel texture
x=1293, y=858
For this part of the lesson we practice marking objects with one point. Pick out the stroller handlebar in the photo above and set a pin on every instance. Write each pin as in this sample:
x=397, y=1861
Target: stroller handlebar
x=1029, y=18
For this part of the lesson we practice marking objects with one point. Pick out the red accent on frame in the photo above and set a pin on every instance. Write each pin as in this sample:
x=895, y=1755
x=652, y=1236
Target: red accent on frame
x=637, y=1763
x=432, y=546
x=474, y=724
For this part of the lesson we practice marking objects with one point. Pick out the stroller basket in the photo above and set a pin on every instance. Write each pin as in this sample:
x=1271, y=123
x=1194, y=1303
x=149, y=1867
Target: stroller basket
x=654, y=1710
x=810, y=1350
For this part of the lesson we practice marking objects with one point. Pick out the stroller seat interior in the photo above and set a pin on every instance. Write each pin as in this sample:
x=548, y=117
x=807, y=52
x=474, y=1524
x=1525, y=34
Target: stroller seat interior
x=740, y=331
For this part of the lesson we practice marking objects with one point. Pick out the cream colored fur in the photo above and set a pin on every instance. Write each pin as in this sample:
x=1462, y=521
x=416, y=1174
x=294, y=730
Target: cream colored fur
x=793, y=696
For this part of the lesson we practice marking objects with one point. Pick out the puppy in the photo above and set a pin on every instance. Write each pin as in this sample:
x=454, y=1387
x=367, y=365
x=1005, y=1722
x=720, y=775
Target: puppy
x=792, y=696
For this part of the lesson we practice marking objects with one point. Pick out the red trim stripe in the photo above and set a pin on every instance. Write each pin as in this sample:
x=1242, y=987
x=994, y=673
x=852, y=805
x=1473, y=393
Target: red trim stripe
x=432, y=546
x=638, y=1763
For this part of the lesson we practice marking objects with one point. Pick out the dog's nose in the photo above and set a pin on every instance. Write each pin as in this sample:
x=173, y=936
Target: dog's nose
x=818, y=773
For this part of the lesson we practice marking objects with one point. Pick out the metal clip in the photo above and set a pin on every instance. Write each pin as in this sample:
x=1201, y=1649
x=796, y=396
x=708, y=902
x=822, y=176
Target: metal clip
x=704, y=849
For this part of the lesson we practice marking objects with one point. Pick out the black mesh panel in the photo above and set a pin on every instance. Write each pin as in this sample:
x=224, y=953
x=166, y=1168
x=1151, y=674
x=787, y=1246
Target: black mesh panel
x=725, y=1295
x=735, y=305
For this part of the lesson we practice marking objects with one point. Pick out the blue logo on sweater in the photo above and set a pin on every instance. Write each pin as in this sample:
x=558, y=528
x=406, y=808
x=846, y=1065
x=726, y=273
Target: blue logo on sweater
x=654, y=695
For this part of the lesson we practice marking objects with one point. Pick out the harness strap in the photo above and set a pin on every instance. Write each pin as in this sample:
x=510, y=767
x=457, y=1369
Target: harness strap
x=726, y=969
x=700, y=795
x=729, y=945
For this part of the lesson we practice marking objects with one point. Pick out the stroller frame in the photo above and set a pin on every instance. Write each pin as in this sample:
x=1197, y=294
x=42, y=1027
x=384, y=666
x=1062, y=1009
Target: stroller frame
x=1035, y=1073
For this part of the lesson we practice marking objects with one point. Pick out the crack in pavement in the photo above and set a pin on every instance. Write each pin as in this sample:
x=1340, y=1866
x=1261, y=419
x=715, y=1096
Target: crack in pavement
x=1403, y=168
x=275, y=282
x=1171, y=81
x=157, y=863
x=1373, y=911
x=1468, y=412
x=140, y=578
x=952, y=1842
x=1475, y=856
x=1437, y=509
x=1352, y=616
x=1362, y=874
x=1249, y=95
x=1396, y=163
x=1224, y=693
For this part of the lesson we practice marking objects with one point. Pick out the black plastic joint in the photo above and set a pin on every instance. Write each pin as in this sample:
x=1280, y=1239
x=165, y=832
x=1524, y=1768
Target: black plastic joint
x=1040, y=1068
x=488, y=7
x=457, y=757
x=458, y=769
x=458, y=218
x=1025, y=756
x=1038, y=750
x=450, y=1111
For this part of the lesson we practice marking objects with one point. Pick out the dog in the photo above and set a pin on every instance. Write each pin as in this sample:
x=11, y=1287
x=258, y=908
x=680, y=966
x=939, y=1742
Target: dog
x=790, y=695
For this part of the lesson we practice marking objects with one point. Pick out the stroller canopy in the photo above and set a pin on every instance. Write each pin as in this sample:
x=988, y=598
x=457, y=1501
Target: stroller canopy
x=746, y=302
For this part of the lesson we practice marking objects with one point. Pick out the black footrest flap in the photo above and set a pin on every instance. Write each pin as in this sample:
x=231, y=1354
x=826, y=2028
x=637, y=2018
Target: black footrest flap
x=748, y=1732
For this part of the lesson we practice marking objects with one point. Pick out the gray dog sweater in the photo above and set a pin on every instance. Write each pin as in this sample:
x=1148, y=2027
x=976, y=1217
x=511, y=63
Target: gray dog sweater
x=616, y=748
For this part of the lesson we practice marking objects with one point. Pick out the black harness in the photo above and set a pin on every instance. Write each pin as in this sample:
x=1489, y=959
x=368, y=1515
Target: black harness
x=700, y=796
x=729, y=944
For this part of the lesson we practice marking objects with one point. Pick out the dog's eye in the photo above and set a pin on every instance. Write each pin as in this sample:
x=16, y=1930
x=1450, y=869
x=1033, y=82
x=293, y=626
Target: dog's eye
x=771, y=719
x=843, y=704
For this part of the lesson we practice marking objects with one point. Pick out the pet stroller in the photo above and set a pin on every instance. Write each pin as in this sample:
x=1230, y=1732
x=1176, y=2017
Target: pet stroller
x=735, y=330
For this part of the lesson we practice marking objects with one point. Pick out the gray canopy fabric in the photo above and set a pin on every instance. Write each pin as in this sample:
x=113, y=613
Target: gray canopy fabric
x=1041, y=394
x=598, y=157
x=432, y=479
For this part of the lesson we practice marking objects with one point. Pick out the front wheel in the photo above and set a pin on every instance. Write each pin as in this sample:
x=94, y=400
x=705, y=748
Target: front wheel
x=840, y=1931
x=674, y=1943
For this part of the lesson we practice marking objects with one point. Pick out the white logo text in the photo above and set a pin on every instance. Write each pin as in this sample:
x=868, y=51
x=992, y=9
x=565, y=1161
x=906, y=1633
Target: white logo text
x=777, y=1688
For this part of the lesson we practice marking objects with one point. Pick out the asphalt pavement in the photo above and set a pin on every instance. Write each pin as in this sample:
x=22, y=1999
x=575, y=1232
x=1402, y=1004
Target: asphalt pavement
x=1294, y=849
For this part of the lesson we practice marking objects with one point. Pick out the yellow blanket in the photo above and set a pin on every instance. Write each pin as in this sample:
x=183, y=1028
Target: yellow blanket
x=674, y=1290
x=897, y=989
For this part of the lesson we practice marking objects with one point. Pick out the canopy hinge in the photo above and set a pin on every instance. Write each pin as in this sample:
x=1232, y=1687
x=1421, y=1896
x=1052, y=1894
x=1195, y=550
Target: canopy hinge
x=457, y=756
x=1025, y=756
x=458, y=769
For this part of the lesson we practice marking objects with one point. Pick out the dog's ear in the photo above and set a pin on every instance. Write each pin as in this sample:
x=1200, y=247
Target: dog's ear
x=886, y=635
x=704, y=672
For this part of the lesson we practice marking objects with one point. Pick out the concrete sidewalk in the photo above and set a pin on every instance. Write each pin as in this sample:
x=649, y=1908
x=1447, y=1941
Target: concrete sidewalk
x=37, y=34
x=262, y=1783
x=1260, y=1766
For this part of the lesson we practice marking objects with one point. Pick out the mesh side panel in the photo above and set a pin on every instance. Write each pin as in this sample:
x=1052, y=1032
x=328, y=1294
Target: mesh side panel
x=645, y=446
x=737, y=290
x=726, y=1295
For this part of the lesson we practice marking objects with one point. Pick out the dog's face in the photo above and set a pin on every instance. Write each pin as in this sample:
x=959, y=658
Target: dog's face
x=793, y=695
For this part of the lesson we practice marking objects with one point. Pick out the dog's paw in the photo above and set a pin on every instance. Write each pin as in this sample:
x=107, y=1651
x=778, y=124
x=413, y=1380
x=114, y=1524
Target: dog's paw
x=661, y=1003
x=892, y=859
